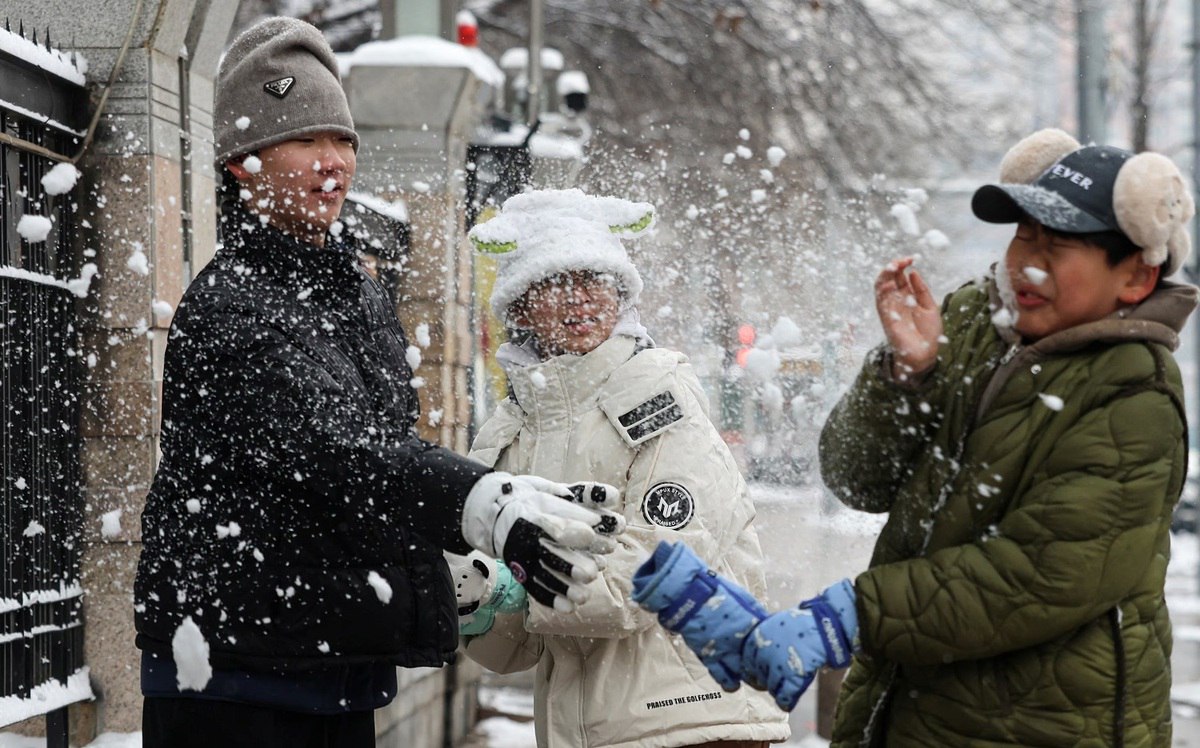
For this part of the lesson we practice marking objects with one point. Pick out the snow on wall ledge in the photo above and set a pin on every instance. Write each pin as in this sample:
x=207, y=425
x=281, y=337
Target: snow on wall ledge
x=46, y=698
x=423, y=51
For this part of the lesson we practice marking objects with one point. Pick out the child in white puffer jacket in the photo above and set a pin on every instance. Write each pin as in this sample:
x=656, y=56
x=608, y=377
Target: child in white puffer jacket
x=591, y=397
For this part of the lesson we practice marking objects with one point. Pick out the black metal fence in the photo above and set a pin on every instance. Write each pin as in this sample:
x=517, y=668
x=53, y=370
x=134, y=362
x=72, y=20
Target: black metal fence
x=41, y=506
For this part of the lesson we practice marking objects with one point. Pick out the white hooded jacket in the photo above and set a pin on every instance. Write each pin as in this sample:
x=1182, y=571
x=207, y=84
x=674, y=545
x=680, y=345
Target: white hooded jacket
x=608, y=674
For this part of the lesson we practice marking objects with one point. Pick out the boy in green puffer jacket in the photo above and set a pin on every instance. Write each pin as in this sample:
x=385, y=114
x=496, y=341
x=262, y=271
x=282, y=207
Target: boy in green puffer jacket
x=1028, y=441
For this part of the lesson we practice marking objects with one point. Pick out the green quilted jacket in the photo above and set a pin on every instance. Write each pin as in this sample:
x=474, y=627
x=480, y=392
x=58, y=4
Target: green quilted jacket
x=1015, y=595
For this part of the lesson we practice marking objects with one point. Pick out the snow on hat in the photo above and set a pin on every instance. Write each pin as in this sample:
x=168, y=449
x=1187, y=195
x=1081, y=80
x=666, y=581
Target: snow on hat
x=543, y=233
x=1078, y=189
x=278, y=81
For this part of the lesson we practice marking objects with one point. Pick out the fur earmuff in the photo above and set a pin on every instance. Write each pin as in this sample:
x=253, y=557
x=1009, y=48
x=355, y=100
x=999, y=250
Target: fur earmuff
x=1153, y=206
x=1034, y=154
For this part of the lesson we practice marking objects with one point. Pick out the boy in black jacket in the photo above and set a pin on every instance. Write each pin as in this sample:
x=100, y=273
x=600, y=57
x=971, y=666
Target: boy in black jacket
x=294, y=532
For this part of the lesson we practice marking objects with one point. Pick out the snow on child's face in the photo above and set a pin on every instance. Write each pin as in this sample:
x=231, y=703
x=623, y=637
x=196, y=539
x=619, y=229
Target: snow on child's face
x=1060, y=281
x=569, y=312
x=299, y=185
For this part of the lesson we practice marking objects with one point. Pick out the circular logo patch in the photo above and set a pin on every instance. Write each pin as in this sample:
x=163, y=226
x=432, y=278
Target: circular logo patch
x=668, y=505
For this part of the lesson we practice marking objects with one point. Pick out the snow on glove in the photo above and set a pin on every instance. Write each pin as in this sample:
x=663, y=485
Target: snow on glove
x=483, y=587
x=713, y=614
x=786, y=650
x=549, y=544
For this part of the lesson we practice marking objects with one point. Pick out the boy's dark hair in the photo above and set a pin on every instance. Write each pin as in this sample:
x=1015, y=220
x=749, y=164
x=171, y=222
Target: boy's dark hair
x=1115, y=244
x=1117, y=247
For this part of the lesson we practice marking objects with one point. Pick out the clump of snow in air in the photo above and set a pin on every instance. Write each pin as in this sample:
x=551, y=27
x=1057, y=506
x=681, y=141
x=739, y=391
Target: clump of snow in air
x=328, y=185
x=232, y=530
x=416, y=382
x=772, y=398
x=775, y=155
x=242, y=122
x=785, y=333
x=253, y=164
x=744, y=152
x=193, y=670
x=538, y=379
x=744, y=134
x=34, y=228
x=692, y=212
x=110, y=523
x=422, y=335
x=435, y=417
x=412, y=355
x=728, y=159
x=1035, y=275
x=336, y=228
x=766, y=175
x=79, y=286
x=906, y=218
x=421, y=187
x=383, y=590
x=1053, y=402
x=1003, y=318
x=138, y=262
x=758, y=196
x=762, y=364
x=935, y=240
x=193, y=506
x=33, y=528
x=162, y=308
x=61, y=179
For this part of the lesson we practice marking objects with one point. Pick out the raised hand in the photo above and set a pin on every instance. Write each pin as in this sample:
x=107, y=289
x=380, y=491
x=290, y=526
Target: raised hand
x=912, y=321
x=548, y=543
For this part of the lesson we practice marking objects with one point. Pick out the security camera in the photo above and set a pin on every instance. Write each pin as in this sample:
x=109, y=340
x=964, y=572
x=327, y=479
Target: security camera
x=573, y=90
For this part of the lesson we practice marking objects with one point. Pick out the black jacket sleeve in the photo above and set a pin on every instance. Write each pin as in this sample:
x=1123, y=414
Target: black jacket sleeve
x=297, y=422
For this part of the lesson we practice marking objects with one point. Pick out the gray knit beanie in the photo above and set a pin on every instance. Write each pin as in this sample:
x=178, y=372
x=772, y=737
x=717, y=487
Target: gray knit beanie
x=278, y=81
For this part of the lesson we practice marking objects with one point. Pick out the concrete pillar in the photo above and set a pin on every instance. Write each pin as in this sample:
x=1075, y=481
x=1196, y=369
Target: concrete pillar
x=413, y=148
x=147, y=220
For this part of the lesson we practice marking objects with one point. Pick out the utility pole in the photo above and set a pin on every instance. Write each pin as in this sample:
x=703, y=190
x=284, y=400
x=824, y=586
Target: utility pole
x=1196, y=134
x=1091, y=56
x=537, y=23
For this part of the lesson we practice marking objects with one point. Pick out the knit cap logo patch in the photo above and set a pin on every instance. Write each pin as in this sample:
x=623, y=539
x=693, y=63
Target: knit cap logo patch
x=281, y=87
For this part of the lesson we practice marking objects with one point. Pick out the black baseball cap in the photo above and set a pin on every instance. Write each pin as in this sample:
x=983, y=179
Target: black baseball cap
x=1075, y=196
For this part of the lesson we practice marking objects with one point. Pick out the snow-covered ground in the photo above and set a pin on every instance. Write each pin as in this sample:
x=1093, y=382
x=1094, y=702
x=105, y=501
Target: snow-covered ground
x=809, y=542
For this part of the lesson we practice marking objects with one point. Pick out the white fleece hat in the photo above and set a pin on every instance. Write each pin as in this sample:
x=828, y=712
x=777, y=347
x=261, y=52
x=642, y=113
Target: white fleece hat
x=1082, y=189
x=543, y=233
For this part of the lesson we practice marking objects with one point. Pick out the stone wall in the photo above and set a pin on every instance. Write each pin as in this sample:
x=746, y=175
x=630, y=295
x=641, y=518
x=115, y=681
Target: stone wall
x=148, y=189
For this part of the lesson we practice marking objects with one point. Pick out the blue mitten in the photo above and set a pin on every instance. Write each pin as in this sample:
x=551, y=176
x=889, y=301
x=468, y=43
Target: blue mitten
x=713, y=614
x=786, y=650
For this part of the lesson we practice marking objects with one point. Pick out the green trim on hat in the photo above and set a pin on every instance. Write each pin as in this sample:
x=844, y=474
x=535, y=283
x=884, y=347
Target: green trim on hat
x=639, y=225
x=493, y=247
